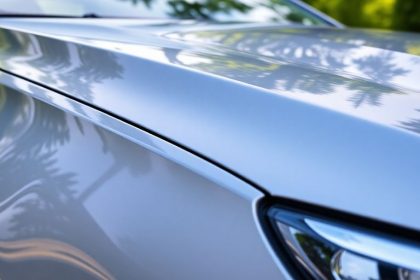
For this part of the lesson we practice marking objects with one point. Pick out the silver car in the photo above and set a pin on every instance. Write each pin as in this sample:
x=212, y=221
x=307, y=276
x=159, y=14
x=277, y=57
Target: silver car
x=212, y=139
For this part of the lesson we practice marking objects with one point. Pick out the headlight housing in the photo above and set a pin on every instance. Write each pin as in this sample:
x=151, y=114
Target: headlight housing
x=321, y=248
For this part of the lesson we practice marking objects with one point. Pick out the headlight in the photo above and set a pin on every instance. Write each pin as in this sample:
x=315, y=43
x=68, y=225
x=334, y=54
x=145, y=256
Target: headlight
x=322, y=249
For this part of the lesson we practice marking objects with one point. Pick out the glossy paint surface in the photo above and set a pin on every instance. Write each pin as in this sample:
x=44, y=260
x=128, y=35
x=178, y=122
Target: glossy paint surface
x=319, y=115
x=84, y=203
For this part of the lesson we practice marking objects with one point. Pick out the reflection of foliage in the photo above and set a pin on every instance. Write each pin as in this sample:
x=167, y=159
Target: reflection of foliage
x=303, y=47
x=205, y=9
x=294, y=14
x=4, y=43
x=318, y=252
x=413, y=125
x=25, y=154
x=364, y=95
x=38, y=157
x=82, y=66
x=123, y=159
x=379, y=67
x=69, y=67
x=40, y=197
x=232, y=10
x=9, y=44
x=199, y=9
x=2, y=98
x=135, y=2
x=413, y=48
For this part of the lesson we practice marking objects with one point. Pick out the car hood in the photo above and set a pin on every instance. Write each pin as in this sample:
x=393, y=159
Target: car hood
x=322, y=115
x=353, y=71
x=388, y=59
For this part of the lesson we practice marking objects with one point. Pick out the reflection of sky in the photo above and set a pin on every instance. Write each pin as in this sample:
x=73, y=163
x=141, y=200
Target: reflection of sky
x=112, y=192
x=354, y=267
x=398, y=108
x=66, y=155
x=100, y=204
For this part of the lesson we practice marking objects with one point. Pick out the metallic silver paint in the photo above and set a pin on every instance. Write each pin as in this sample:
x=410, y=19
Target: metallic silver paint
x=83, y=202
x=315, y=121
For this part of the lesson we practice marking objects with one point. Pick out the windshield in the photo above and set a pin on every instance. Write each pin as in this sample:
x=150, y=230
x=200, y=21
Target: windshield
x=281, y=11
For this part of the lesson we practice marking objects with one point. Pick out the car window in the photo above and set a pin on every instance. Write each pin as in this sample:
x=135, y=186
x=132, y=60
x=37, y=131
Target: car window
x=281, y=11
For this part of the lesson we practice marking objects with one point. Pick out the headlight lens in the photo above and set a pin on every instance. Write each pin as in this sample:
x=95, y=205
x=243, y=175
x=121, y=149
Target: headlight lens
x=327, y=250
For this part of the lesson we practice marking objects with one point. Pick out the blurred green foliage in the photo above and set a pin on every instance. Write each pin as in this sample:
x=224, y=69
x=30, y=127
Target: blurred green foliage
x=382, y=14
x=385, y=14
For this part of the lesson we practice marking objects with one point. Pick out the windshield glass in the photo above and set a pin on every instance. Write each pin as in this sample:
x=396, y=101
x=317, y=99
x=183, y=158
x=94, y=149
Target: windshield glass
x=281, y=11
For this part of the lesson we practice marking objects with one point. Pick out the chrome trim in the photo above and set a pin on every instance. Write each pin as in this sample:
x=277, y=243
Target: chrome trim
x=379, y=248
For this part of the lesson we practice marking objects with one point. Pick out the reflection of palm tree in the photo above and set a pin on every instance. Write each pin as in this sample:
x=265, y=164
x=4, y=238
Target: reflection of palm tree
x=412, y=125
x=43, y=201
x=294, y=50
x=364, y=95
x=38, y=199
x=35, y=162
x=120, y=150
x=82, y=66
x=319, y=253
x=379, y=67
x=72, y=62
x=25, y=154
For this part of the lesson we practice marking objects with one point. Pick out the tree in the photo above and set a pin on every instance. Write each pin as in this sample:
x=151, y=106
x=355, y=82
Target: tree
x=407, y=15
x=384, y=14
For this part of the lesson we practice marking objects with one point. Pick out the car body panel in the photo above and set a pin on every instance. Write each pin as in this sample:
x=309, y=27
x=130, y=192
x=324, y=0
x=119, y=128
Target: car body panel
x=81, y=201
x=296, y=127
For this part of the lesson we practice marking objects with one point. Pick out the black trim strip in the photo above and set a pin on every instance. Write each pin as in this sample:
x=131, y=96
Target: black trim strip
x=145, y=129
x=341, y=217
